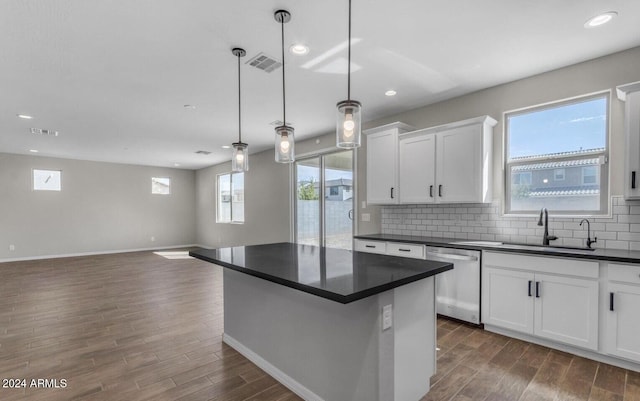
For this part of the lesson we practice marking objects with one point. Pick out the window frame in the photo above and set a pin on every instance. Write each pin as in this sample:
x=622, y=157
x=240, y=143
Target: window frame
x=33, y=180
x=218, y=194
x=604, y=173
x=160, y=193
x=555, y=174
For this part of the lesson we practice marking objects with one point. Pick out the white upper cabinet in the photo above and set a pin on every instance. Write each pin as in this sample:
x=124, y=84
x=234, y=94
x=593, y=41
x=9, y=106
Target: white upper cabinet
x=449, y=163
x=630, y=94
x=417, y=176
x=382, y=163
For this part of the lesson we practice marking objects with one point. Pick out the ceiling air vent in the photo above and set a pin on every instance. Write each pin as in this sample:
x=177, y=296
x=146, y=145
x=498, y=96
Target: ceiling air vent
x=203, y=152
x=45, y=132
x=264, y=62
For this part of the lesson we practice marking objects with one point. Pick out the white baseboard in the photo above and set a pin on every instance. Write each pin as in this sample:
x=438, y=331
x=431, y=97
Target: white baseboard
x=276, y=373
x=621, y=363
x=71, y=255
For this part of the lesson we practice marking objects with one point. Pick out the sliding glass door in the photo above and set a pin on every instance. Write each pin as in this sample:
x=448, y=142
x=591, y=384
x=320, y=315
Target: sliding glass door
x=324, y=200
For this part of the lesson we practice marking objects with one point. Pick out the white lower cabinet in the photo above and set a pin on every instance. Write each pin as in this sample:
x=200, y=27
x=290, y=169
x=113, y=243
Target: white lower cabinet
x=551, y=298
x=622, y=329
x=505, y=299
x=566, y=310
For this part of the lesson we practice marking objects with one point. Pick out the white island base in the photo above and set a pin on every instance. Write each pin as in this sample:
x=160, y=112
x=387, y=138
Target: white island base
x=326, y=350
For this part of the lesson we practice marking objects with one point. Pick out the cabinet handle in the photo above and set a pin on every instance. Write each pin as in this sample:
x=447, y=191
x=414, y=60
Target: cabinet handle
x=633, y=180
x=530, y=282
x=537, y=289
x=431, y=191
x=369, y=246
x=440, y=190
x=391, y=192
x=404, y=250
x=611, y=301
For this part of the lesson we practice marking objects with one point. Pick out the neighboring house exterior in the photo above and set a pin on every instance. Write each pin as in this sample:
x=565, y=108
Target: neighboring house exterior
x=576, y=181
x=340, y=189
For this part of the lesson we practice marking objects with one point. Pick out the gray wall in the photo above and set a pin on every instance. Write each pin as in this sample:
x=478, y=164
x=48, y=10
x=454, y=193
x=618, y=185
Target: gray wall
x=102, y=207
x=266, y=204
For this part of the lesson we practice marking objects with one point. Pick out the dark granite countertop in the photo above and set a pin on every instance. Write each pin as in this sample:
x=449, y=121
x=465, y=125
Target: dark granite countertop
x=610, y=255
x=336, y=274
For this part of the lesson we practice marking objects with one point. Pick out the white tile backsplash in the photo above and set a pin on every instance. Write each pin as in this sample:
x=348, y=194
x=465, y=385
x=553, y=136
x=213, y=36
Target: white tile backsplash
x=621, y=230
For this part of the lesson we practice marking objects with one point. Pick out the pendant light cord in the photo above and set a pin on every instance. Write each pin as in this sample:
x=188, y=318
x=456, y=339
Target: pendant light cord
x=349, y=58
x=284, y=107
x=239, y=104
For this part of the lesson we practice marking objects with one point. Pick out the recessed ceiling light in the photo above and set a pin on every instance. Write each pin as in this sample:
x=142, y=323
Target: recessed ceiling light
x=33, y=151
x=226, y=146
x=600, y=19
x=299, y=49
x=24, y=116
x=390, y=93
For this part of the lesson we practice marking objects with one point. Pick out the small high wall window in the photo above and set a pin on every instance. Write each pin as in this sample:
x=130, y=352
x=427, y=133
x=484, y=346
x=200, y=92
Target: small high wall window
x=161, y=185
x=556, y=157
x=230, y=198
x=47, y=180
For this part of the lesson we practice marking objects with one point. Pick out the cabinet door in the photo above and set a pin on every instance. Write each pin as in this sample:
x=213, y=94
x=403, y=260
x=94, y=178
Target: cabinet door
x=459, y=164
x=566, y=310
x=506, y=299
x=417, y=169
x=623, y=325
x=382, y=167
x=632, y=138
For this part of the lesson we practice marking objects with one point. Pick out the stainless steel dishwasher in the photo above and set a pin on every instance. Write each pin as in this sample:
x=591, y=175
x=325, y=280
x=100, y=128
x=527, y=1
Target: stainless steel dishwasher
x=458, y=290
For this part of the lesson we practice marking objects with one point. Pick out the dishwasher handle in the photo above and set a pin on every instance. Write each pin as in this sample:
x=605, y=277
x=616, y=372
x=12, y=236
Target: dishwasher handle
x=453, y=256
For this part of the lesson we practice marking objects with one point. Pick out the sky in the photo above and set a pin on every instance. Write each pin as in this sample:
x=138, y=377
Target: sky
x=559, y=129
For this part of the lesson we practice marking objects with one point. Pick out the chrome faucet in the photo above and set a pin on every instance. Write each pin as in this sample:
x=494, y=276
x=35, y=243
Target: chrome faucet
x=589, y=240
x=546, y=238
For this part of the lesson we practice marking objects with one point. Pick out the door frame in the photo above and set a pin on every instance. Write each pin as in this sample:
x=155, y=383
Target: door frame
x=294, y=191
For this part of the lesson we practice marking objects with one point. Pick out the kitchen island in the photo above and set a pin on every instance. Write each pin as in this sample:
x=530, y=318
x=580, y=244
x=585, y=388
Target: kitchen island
x=312, y=317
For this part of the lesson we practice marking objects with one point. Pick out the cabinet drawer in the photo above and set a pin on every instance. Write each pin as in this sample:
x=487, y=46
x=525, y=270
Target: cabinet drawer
x=406, y=250
x=370, y=246
x=624, y=273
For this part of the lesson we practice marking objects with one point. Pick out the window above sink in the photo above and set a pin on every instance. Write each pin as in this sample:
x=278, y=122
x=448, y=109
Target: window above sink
x=556, y=157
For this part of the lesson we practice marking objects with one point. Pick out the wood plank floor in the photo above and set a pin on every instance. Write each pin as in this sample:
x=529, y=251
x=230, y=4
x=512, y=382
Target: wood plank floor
x=137, y=326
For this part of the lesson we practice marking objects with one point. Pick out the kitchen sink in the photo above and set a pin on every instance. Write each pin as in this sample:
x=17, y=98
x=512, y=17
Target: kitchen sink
x=552, y=247
x=521, y=245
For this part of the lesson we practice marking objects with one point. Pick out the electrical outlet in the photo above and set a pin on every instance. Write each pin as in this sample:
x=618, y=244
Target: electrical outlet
x=387, y=317
x=153, y=239
x=366, y=217
x=12, y=247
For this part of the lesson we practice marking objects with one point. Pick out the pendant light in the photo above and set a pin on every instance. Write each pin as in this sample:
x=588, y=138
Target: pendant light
x=349, y=111
x=240, y=158
x=285, y=144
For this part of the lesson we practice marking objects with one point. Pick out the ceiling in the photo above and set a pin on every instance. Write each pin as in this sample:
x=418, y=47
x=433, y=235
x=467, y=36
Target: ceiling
x=113, y=76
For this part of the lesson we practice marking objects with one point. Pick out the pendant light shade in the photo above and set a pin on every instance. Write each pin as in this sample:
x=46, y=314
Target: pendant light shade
x=285, y=144
x=349, y=118
x=349, y=124
x=240, y=158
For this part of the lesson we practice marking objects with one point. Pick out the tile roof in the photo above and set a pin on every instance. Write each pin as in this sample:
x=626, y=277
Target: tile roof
x=559, y=154
x=559, y=164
